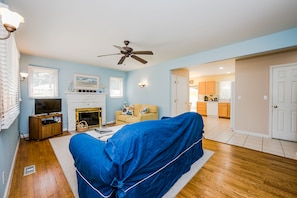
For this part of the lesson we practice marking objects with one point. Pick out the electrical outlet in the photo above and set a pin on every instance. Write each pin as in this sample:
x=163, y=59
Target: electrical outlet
x=3, y=177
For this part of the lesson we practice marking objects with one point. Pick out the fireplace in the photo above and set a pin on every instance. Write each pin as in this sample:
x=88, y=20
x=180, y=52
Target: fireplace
x=93, y=116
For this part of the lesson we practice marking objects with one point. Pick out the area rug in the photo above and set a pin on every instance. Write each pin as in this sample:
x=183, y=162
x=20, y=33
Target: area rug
x=60, y=147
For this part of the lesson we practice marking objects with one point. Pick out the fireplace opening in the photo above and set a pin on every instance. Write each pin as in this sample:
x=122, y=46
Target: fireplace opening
x=93, y=116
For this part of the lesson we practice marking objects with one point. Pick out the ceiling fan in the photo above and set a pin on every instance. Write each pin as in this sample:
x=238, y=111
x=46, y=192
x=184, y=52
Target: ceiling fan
x=128, y=52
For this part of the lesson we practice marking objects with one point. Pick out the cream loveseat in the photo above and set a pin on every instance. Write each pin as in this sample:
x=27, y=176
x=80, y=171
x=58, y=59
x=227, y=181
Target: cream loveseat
x=137, y=113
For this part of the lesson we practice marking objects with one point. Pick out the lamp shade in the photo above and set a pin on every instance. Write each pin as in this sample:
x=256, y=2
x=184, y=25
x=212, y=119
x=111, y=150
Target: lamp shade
x=24, y=75
x=11, y=18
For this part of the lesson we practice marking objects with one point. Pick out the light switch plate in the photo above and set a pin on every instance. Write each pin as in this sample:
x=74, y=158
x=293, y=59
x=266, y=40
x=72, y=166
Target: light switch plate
x=265, y=97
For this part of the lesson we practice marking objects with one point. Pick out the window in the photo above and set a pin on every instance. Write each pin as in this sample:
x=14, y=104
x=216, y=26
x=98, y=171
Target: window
x=116, y=87
x=9, y=81
x=43, y=82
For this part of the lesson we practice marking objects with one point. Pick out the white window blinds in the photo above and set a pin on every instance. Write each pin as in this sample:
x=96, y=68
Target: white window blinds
x=9, y=81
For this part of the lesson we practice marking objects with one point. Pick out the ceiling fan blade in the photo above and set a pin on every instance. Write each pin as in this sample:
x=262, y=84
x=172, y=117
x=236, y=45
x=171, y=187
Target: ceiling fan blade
x=139, y=59
x=122, y=60
x=143, y=52
x=109, y=54
x=120, y=48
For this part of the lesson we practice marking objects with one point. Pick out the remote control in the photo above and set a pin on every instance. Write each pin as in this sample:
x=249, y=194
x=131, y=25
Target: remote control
x=102, y=130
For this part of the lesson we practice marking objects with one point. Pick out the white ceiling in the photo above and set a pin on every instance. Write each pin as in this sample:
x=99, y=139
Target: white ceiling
x=80, y=30
x=211, y=69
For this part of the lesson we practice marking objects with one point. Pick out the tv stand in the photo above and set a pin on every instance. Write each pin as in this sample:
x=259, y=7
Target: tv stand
x=45, y=126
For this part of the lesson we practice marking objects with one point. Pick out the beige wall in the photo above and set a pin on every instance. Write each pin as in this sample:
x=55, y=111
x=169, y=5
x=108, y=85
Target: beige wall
x=218, y=78
x=181, y=72
x=252, y=81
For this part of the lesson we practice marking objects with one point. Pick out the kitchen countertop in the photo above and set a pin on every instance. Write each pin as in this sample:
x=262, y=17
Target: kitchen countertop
x=216, y=101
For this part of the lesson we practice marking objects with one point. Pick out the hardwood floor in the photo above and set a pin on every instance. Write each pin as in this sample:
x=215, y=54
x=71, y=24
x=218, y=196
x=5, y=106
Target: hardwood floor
x=49, y=179
x=231, y=172
x=239, y=172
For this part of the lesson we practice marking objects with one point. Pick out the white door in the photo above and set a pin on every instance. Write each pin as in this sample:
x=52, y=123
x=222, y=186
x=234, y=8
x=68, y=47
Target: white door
x=173, y=96
x=284, y=102
x=182, y=92
x=179, y=95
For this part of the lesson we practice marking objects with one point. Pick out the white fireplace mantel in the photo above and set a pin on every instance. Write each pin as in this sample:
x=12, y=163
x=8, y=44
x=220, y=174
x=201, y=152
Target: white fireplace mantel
x=84, y=100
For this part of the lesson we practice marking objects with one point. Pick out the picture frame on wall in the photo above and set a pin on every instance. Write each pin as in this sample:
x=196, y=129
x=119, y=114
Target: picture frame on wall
x=85, y=82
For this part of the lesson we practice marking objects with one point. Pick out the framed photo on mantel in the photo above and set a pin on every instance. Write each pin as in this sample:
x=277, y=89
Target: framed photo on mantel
x=85, y=82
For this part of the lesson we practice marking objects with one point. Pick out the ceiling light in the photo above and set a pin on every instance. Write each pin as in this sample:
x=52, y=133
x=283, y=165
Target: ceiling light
x=221, y=68
x=10, y=20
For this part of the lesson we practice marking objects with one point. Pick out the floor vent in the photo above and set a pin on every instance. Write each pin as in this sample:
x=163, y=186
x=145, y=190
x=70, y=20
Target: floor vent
x=28, y=170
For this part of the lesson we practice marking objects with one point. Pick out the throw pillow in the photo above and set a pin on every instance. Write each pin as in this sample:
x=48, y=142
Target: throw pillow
x=144, y=110
x=128, y=110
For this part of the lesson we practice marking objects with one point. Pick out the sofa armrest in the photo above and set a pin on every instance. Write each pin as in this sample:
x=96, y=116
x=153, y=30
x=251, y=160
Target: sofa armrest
x=91, y=160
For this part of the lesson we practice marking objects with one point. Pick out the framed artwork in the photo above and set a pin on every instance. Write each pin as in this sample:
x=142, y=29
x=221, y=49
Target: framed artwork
x=85, y=82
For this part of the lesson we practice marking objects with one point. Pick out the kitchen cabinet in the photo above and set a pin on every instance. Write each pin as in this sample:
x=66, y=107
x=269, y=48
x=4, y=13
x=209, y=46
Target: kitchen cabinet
x=201, y=108
x=224, y=110
x=202, y=88
x=208, y=87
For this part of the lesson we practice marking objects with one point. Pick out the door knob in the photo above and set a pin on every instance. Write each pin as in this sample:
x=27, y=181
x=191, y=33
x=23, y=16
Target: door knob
x=275, y=106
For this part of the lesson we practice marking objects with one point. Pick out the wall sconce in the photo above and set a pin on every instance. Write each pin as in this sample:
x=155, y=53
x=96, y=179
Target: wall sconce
x=23, y=76
x=141, y=84
x=10, y=20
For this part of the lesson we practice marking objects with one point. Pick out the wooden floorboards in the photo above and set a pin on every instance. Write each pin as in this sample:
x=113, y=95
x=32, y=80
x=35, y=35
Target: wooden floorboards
x=239, y=172
x=49, y=179
x=231, y=172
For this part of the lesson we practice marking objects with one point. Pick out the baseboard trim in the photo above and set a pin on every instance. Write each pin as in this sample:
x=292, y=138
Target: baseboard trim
x=252, y=134
x=111, y=122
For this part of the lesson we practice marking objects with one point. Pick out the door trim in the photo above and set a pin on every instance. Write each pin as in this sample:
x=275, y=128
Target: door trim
x=272, y=67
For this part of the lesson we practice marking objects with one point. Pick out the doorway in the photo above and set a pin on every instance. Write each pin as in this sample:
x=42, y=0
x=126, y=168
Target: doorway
x=284, y=101
x=179, y=95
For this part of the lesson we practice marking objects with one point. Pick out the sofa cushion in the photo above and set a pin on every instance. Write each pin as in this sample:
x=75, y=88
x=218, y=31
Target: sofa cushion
x=139, y=107
x=127, y=118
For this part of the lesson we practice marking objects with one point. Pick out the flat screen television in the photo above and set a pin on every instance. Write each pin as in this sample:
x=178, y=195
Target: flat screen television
x=47, y=106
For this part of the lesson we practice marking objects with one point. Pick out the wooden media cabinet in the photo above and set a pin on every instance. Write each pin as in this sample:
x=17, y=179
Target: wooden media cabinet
x=44, y=126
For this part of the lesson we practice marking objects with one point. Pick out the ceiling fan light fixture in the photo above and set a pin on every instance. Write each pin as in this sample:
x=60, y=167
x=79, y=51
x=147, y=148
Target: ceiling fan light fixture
x=129, y=52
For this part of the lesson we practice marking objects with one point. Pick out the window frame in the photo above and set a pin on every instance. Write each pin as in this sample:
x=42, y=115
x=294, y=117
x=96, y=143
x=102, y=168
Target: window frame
x=51, y=71
x=9, y=81
x=116, y=81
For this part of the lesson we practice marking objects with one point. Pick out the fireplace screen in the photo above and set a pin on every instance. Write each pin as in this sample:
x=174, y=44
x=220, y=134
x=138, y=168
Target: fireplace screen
x=91, y=115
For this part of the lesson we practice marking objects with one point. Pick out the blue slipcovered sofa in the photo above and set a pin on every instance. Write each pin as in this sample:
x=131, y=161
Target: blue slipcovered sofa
x=143, y=159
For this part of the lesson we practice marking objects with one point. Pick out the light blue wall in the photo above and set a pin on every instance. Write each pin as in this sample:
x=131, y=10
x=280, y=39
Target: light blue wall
x=8, y=144
x=66, y=71
x=158, y=77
